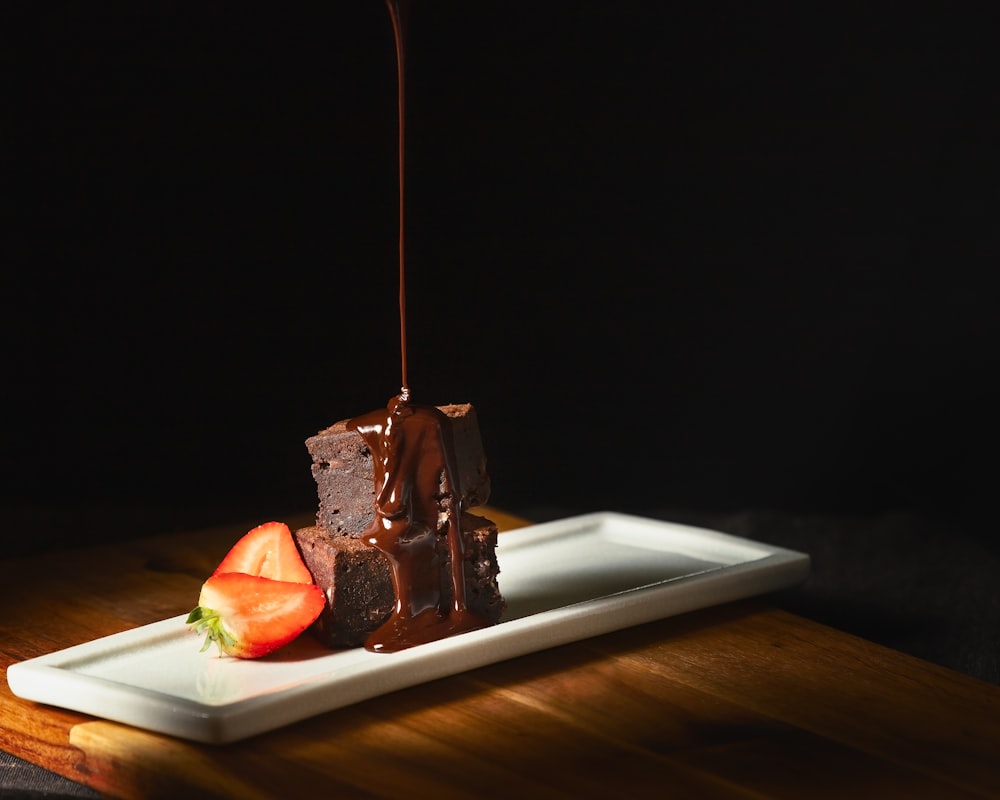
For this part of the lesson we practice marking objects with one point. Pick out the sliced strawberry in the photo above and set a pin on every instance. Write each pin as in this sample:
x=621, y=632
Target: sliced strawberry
x=248, y=616
x=268, y=551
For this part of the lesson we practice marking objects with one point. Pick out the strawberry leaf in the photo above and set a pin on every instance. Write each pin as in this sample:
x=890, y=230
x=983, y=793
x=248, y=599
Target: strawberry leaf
x=208, y=621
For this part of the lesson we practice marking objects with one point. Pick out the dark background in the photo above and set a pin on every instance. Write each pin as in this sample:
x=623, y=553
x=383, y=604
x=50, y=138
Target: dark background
x=691, y=256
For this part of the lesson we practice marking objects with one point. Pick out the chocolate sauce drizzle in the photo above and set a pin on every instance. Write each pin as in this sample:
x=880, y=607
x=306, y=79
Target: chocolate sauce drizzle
x=417, y=493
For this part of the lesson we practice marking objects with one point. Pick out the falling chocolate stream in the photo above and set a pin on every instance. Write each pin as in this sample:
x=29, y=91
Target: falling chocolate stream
x=399, y=12
x=415, y=476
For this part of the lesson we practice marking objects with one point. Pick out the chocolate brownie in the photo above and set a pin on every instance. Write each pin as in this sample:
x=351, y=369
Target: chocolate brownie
x=343, y=468
x=355, y=576
x=357, y=579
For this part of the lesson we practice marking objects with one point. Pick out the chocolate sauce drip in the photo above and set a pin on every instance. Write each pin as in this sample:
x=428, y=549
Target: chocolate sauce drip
x=417, y=496
x=399, y=12
x=417, y=501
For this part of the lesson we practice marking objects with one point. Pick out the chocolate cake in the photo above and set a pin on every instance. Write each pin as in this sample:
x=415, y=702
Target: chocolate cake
x=356, y=576
x=343, y=468
x=357, y=580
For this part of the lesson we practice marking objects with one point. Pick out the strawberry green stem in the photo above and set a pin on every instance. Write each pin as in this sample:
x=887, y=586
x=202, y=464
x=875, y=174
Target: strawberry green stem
x=207, y=620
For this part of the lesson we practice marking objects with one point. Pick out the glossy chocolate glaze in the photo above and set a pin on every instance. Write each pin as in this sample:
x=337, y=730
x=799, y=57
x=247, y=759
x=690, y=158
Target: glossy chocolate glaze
x=416, y=494
x=415, y=497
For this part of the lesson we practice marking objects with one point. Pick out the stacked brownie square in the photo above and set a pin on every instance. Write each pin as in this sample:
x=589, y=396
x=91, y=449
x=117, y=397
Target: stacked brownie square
x=355, y=576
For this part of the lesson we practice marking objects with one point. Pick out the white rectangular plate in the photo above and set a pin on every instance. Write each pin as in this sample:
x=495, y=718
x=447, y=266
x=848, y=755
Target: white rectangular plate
x=564, y=581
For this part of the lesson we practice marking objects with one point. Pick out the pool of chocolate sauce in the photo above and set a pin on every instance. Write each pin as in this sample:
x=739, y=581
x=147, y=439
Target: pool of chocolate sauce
x=415, y=477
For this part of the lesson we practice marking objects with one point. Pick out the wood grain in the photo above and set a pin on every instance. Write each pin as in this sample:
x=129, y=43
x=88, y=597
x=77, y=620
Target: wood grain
x=738, y=701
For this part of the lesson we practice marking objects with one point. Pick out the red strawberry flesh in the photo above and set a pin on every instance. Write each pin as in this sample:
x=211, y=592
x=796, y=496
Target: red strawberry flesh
x=249, y=616
x=267, y=551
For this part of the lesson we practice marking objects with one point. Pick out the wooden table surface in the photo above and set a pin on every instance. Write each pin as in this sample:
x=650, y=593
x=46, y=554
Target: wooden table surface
x=737, y=701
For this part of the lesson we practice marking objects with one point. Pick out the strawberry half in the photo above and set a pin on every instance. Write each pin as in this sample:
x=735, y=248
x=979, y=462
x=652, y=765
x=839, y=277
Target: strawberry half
x=249, y=616
x=267, y=551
